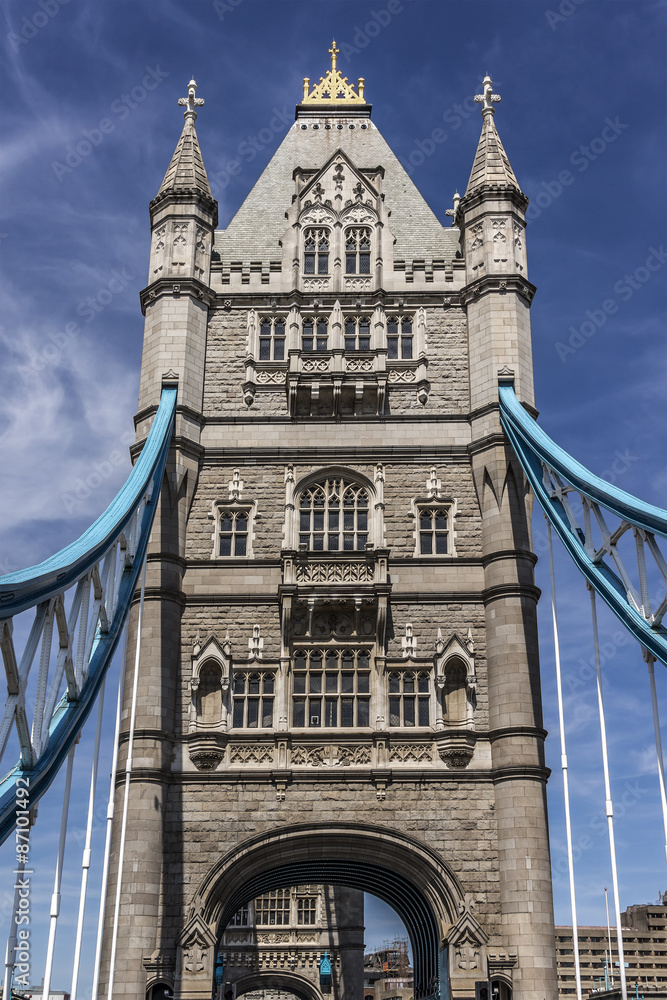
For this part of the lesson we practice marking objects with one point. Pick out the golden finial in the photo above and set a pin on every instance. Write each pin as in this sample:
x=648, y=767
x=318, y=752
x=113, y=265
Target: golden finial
x=334, y=55
x=333, y=88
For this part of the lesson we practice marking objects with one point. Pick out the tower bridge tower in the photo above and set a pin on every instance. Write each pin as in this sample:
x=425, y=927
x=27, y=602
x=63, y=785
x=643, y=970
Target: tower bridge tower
x=339, y=678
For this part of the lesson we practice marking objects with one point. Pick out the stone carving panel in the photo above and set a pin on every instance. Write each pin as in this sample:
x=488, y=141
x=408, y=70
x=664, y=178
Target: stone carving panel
x=269, y=378
x=357, y=572
x=409, y=753
x=250, y=753
x=402, y=374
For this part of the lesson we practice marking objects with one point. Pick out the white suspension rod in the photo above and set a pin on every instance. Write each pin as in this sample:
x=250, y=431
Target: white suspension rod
x=57, y=881
x=110, y=811
x=609, y=807
x=126, y=798
x=650, y=661
x=563, y=763
x=85, y=862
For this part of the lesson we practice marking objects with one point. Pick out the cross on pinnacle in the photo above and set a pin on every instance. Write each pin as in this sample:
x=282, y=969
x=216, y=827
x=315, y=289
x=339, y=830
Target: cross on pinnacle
x=334, y=55
x=488, y=97
x=191, y=101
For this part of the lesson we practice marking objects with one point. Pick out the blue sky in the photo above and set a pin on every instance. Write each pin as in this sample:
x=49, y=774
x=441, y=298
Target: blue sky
x=582, y=120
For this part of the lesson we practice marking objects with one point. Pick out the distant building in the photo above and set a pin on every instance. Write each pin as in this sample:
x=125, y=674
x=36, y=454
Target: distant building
x=645, y=952
x=388, y=974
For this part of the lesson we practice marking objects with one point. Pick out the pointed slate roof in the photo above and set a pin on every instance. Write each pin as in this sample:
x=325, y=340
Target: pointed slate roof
x=255, y=232
x=491, y=164
x=186, y=171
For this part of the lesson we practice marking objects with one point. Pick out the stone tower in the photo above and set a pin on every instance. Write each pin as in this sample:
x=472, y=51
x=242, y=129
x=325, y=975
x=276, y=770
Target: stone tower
x=339, y=678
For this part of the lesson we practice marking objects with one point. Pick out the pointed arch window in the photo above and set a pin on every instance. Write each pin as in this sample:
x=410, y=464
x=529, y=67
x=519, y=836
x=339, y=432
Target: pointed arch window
x=272, y=339
x=399, y=338
x=316, y=247
x=334, y=516
x=434, y=530
x=358, y=250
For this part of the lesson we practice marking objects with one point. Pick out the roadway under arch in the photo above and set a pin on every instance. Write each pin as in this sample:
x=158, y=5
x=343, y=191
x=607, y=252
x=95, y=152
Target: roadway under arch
x=400, y=870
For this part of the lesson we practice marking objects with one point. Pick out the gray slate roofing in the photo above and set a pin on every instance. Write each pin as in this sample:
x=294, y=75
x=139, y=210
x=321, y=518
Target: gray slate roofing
x=186, y=172
x=491, y=164
x=254, y=233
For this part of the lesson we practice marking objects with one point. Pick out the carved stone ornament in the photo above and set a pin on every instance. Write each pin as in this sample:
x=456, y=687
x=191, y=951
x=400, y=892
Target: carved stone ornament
x=456, y=749
x=207, y=750
x=196, y=946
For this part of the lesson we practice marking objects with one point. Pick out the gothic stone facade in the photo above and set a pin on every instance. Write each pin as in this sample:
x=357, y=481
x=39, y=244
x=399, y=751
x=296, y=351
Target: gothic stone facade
x=339, y=661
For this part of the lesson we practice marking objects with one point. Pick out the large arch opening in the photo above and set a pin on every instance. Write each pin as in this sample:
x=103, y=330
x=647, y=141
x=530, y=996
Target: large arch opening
x=288, y=982
x=401, y=871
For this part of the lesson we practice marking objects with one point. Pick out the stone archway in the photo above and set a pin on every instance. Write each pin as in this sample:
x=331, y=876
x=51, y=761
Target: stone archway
x=291, y=982
x=406, y=874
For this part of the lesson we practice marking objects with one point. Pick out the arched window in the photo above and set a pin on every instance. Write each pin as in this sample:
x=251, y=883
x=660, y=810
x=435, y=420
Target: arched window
x=272, y=339
x=358, y=251
x=209, y=694
x=399, y=337
x=333, y=515
x=314, y=334
x=456, y=702
x=357, y=333
x=316, y=251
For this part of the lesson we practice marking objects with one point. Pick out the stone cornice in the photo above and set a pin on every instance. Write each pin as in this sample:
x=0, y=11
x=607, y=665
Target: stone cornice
x=499, y=284
x=176, y=287
x=502, y=591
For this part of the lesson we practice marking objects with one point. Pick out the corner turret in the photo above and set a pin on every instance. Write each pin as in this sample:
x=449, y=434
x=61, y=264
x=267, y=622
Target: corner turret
x=491, y=217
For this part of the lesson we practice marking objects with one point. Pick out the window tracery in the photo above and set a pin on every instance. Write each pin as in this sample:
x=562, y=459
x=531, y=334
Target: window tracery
x=253, y=697
x=357, y=333
x=333, y=516
x=409, y=698
x=314, y=334
x=272, y=339
x=399, y=338
x=331, y=688
x=358, y=250
x=316, y=247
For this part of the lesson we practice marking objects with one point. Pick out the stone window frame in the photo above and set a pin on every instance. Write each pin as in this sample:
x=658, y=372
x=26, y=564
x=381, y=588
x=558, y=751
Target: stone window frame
x=259, y=698
x=357, y=694
x=401, y=339
x=357, y=333
x=320, y=235
x=294, y=490
x=277, y=901
x=315, y=328
x=235, y=507
x=272, y=340
x=361, y=256
x=420, y=696
x=432, y=504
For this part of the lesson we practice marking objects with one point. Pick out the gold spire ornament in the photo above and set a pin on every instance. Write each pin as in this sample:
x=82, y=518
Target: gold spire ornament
x=333, y=88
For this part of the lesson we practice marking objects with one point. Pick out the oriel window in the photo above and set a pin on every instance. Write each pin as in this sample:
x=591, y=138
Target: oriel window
x=316, y=251
x=358, y=251
x=399, y=338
